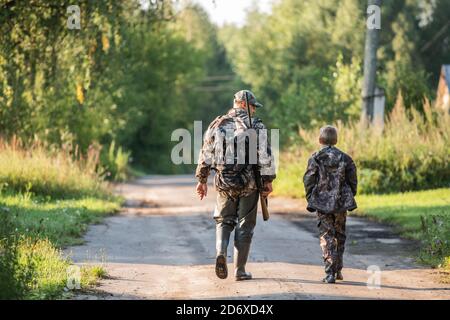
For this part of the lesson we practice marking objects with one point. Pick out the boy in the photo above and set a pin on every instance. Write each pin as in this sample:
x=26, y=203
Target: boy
x=330, y=184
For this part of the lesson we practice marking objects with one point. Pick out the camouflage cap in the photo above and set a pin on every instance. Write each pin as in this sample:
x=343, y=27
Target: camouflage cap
x=240, y=96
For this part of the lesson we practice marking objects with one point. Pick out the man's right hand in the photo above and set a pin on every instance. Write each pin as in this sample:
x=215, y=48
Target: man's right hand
x=202, y=190
x=268, y=189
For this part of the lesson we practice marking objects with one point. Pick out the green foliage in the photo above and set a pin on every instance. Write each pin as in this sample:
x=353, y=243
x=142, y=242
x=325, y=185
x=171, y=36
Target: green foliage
x=436, y=235
x=132, y=76
x=47, y=267
x=129, y=76
x=13, y=276
x=291, y=51
x=47, y=199
x=31, y=268
x=288, y=54
x=61, y=221
x=48, y=70
x=54, y=173
x=168, y=91
x=38, y=270
x=31, y=230
x=410, y=154
x=404, y=210
x=420, y=215
x=90, y=275
x=115, y=162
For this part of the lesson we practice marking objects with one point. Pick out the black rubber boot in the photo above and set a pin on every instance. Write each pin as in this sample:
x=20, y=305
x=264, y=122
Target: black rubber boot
x=329, y=279
x=221, y=267
x=223, y=233
x=241, y=252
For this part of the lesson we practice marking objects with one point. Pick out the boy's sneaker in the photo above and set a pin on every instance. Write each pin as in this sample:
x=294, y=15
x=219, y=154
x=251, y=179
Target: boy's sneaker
x=329, y=279
x=221, y=267
x=339, y=276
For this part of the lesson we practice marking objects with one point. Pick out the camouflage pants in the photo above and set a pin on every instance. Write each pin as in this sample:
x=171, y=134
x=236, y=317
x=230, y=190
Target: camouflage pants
x=332, y=240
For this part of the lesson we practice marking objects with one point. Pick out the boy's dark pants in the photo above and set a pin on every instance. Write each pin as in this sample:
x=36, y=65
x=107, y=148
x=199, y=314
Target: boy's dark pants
x=332, y=240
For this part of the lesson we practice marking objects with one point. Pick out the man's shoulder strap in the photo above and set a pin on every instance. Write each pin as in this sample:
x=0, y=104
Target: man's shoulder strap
x=258, y=123
x=218, y=121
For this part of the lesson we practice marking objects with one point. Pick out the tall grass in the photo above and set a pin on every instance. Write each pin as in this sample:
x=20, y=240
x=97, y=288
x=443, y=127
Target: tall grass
x=14, y=276
x=411, y=153
x=58, y=173
x=115, y=162
x=48, y=196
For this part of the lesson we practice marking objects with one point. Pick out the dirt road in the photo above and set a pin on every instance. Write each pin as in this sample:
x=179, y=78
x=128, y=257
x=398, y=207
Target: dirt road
x=162, y=247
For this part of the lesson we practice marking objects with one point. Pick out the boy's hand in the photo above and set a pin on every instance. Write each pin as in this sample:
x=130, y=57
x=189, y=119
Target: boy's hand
x=267, y=189
x=202, y=190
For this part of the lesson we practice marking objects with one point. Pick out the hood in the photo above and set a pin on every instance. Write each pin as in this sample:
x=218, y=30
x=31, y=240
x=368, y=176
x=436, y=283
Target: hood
x=329, y=157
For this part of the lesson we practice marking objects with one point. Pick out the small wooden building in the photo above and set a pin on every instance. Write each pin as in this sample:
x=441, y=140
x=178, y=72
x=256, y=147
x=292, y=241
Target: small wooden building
x=443, y=94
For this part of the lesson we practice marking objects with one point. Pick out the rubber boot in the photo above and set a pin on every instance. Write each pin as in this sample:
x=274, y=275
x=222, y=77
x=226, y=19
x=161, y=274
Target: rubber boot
x=241, y=252
x=223, y=233
x=330, y=274
x=329, y=279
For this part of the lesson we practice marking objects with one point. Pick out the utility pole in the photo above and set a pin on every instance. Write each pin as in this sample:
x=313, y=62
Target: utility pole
x=370, y=60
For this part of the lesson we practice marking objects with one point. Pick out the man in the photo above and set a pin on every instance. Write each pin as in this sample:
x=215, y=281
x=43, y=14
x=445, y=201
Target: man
x=231, y=148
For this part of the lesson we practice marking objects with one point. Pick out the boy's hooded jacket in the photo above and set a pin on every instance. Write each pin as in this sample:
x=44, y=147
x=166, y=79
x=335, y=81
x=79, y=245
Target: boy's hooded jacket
x=330, y=181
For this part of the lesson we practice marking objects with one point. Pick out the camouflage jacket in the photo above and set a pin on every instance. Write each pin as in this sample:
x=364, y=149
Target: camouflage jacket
x=330, y=181
x=231, y=150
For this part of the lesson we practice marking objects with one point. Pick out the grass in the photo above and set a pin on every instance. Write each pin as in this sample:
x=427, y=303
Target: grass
x=43, y=227
x=46, y=171
x=63, y=222
x=47, y=268
x=420, y=215
x=91, y=274
x=412, y=153
x=48, y=197
x=446, y=270
x=404, y=210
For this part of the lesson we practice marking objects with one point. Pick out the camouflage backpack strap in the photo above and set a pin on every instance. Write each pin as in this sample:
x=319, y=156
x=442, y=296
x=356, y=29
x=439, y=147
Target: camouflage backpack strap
x=217, y=122
x=257, y=124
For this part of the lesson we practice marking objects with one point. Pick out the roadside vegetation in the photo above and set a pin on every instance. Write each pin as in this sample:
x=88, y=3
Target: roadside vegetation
x=419, y=215
x=47, y=200
x=411, y=153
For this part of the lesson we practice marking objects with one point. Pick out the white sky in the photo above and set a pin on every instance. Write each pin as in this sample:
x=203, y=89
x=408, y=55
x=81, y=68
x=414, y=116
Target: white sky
x=232, y=11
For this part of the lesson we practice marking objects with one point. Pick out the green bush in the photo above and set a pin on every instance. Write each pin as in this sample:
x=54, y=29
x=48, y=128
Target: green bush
x=46, y=266
x=420, y=215
x=14, y=276
x=411, y=153
x=47, y=199
x=436, y=235
x=32, y=229
x=30, y=268
x=115, y=163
